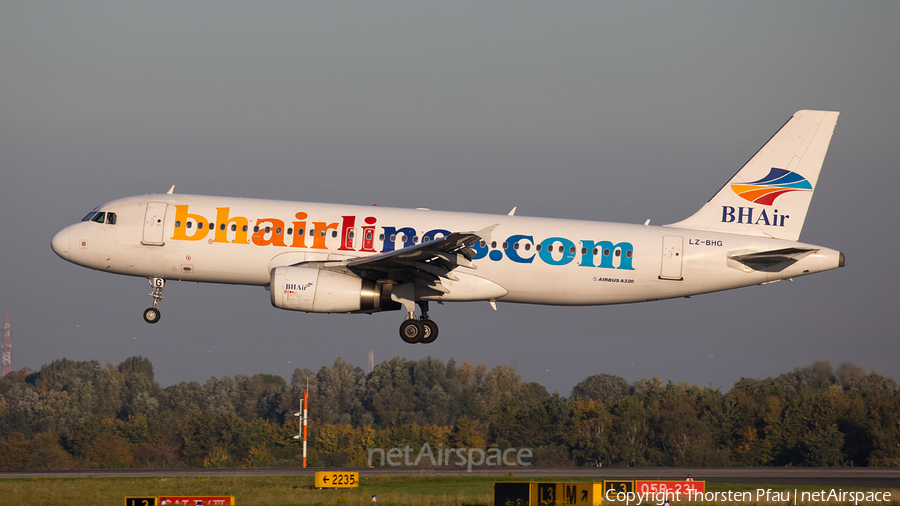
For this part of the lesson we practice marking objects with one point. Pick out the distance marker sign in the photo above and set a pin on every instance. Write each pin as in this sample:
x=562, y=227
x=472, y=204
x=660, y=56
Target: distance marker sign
x=333, y=479
x=140, y=501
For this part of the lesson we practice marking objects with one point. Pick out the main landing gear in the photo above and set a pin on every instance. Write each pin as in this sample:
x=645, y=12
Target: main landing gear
x=152, y=314
x=421, y=330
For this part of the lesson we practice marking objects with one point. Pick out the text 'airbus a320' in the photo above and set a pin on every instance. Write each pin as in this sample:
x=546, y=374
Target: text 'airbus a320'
x=334, y=258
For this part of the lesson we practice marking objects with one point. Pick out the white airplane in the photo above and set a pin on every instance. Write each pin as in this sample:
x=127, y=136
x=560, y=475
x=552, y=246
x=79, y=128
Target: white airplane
x=332, y=258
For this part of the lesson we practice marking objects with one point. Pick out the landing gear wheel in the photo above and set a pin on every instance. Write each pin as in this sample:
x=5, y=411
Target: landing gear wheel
x=151, y=315
x=411, y=331
x=431, y=331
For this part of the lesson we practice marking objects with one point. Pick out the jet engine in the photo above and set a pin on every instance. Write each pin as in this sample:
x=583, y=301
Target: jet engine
x=316, y=290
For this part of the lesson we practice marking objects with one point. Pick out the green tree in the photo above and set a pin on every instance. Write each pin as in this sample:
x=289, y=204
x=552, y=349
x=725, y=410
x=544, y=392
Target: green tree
x=589, y=431
x=341, y=391
x=607, y=388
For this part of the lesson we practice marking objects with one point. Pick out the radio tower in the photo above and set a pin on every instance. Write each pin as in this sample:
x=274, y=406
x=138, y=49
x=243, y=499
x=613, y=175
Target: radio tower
x=7, y=347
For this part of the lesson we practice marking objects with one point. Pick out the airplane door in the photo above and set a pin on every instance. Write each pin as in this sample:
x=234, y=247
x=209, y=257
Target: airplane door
x=154, y=219
x=671, y=257
x=348, y=239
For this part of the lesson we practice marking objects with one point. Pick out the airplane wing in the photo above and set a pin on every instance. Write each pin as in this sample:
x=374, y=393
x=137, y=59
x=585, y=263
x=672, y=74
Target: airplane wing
x=424, y=263
x=773, y=257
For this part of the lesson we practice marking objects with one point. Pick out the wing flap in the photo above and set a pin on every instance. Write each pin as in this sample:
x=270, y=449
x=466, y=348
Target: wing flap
x=425, y=262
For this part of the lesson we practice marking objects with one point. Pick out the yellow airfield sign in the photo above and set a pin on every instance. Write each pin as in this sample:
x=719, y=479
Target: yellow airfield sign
x=335, y=479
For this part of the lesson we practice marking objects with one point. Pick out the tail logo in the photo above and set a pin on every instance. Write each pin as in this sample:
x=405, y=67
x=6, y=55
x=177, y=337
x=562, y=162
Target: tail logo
x=767, y=189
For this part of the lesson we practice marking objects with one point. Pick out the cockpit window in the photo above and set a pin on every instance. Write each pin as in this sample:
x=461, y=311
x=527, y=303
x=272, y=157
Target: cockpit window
x=111, y=218
x=99, y=217
x=89, y=216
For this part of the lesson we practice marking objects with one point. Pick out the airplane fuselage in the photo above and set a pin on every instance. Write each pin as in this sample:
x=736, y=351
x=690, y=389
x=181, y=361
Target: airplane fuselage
x=525, y=260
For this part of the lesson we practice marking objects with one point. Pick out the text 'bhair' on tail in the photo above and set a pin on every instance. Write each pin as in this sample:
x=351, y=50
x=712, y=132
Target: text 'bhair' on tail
x=770, y=195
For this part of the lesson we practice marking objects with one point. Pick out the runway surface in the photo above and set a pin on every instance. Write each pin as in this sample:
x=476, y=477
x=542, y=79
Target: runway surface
x=831, y=477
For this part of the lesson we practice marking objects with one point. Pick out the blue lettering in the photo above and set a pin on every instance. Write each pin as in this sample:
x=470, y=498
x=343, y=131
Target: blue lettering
x=741, y=215
x=623, y=250
x=513, y=254
x=607, y=250
x=547, y=256
x=764, y=218
x=389, y=231
x=430, y=235
x=727, y=214
x=481, y=250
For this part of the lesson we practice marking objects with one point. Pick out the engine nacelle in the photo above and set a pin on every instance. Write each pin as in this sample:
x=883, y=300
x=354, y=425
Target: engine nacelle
x=315, y=290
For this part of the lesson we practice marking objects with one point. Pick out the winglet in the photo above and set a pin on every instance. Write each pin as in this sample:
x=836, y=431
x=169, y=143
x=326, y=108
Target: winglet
x=512, y=212
x=485, y=233
x=171, y=190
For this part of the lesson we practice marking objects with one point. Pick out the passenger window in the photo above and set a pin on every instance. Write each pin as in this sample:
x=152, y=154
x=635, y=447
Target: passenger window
x=222, y=227
x=618, y=252
x=368, y=236
x=415, y=239
x=278, y=230
x=505, y=245
x=493, y=244
x=255, y=228
x=595, y=251
x=111, y=218
x=312, y=232
x=515, y=245
x=527, y=246
x=333, y=233
x=350, y=235
x=381, y=237
x=268, y=229
x=606, y=252
x=290, y=231
x=628, y=254
x=550, y=248
x=234, y=227
x=426, y=239
x=177, y=223
x=323, y=233
x=572, y=250
x=537, y=248
x=199, y=225
x=190, y=224
x=583, y=251
x=99, y=217
x=89, y=216
x=483, y=244
x=393, y=237
x=244, y=228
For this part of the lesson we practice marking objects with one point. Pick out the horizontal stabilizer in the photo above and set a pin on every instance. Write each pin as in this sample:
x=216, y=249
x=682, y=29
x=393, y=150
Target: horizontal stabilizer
x=773, y=257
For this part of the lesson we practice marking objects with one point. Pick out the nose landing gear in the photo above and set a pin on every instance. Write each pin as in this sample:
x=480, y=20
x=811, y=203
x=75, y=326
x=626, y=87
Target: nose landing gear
x=419, y=330
x=152, y=314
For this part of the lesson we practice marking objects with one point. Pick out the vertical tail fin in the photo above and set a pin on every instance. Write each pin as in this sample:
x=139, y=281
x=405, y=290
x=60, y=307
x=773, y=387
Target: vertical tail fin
x=771, y=193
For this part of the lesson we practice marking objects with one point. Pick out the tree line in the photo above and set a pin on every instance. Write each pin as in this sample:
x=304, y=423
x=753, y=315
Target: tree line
x=83, y=415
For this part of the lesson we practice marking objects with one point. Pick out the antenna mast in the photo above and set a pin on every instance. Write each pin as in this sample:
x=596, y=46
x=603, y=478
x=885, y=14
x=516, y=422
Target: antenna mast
x=7, y=348
x=302, y=420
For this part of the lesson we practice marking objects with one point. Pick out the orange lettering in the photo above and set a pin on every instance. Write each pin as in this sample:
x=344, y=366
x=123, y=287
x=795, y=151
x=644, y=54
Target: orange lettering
x=181, y=219
x=299, y=231
x=320, y=228
x=240, y=233
x=277, y=230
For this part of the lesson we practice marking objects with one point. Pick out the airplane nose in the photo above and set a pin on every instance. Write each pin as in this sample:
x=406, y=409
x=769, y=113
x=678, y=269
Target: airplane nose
x=60, y=243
